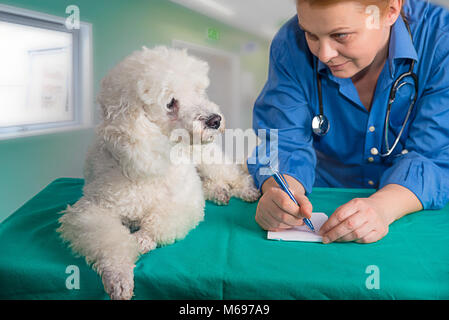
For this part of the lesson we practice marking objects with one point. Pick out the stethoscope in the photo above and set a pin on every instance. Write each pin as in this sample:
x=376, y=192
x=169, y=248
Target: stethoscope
x=321, y=125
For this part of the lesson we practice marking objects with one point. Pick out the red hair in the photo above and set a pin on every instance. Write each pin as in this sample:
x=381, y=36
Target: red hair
x=382, y=4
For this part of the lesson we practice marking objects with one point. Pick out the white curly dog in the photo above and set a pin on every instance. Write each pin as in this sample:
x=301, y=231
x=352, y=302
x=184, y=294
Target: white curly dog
x=135, y=196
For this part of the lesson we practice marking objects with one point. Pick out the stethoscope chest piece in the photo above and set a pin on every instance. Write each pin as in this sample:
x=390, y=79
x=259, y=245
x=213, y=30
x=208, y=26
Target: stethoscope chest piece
x=320, y=125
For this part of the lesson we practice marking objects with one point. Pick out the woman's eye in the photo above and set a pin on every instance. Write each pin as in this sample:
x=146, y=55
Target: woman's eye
x=341, y=36
x=311, y=36
x=172, y=103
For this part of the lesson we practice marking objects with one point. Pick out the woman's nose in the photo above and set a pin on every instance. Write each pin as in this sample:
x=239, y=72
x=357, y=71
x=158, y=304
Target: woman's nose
x=213, y=121
x=325, y=52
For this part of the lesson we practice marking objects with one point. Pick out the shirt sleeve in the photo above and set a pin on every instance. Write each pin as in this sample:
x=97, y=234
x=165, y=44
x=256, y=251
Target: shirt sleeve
x=424, y=170
x=282, y=122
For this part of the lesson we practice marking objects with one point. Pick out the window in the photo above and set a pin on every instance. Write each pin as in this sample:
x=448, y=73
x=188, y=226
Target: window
x=45, y=74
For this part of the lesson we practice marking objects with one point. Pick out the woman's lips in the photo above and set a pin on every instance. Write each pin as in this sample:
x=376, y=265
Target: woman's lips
x=338, y=66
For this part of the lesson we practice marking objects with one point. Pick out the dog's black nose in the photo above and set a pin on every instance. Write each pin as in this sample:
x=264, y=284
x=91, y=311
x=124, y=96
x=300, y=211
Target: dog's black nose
x=213, y=121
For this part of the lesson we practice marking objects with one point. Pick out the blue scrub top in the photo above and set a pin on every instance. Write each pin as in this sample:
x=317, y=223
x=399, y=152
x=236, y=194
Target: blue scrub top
x=348, y=156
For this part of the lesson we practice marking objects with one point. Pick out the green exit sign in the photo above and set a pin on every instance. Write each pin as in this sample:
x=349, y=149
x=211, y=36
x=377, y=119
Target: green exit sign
x=213, y=34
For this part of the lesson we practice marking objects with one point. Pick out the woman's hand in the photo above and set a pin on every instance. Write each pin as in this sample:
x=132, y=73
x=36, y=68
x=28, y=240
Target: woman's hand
x=276, y=211
x=361, y=220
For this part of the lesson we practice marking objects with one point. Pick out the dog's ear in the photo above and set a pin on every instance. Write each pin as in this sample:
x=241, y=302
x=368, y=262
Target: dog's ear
x=112, y=102
x=115, y=100
x=110, y=112
x=144, y=92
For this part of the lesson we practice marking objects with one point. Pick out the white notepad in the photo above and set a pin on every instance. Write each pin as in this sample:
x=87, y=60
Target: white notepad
x=301, y=233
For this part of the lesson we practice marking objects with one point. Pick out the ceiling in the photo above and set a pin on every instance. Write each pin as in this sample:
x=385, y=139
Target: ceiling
x=259, y=17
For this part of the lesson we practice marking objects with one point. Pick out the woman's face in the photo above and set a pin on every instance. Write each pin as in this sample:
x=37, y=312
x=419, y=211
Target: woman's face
x=346, y=36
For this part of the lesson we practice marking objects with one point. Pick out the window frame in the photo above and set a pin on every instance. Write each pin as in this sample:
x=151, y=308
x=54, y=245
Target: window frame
x=82, y=63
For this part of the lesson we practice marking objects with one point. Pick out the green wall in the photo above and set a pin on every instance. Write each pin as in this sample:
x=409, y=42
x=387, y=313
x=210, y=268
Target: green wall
x=119, y=27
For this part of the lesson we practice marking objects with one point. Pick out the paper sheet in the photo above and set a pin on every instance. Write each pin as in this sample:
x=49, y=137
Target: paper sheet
x=301, y=233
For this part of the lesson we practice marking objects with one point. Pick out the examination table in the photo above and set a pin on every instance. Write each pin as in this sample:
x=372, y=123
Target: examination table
x=228, y=257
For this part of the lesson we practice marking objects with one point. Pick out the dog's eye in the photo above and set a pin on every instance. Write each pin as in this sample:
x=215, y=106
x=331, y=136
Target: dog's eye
x=172, y=104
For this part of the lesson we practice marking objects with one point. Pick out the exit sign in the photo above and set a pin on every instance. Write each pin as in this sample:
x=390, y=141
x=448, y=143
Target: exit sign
x=213, y=34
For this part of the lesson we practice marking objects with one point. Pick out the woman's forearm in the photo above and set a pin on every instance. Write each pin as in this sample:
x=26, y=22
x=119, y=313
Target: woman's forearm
x=396, y=201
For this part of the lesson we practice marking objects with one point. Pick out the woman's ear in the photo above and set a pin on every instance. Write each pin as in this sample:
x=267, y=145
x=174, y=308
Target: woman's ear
x=393, y=11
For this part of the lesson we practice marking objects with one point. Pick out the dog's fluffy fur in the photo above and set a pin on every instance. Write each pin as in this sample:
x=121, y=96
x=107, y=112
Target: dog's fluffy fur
x=135, y=197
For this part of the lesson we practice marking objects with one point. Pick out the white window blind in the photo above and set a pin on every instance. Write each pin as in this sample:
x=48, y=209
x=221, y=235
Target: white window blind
x=41, y=74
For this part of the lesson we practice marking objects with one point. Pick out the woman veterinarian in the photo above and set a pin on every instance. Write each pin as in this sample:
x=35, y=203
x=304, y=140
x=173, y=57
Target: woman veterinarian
x=371, y=63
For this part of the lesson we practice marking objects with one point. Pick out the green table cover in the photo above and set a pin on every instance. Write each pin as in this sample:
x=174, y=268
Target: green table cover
x=228, y=257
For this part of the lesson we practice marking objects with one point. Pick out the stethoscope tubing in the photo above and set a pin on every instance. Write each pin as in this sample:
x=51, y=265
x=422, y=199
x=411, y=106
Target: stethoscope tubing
x=321, y=125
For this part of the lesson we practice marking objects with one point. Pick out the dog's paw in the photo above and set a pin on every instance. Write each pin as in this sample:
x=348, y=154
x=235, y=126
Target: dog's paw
x=220, y=196
x=245, y=189
x=249, y=194
x=144, y=242
x=118, y=284
x=217, y=193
